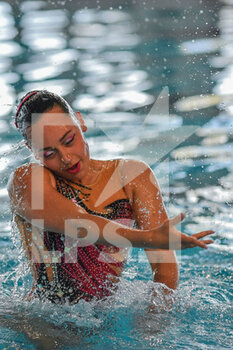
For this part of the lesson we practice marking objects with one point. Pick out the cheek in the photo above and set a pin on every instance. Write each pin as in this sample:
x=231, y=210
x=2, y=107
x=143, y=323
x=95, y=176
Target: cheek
x=51, y=163
x=86, y=149
x=81, y=147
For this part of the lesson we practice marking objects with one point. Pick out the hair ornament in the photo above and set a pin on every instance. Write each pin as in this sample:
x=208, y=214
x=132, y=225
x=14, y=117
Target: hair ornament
x=24, y=100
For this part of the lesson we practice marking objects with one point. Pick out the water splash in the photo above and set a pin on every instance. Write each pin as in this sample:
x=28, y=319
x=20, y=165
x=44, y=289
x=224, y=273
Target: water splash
x=13, y=149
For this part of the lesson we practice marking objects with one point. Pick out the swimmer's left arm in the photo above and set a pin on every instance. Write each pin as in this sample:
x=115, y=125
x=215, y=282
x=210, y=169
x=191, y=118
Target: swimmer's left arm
x=149, y=212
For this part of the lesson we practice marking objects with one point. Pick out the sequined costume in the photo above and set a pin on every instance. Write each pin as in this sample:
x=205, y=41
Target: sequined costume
x=80, y=272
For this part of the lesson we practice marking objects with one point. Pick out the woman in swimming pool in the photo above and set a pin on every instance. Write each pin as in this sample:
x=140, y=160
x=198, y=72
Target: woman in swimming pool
x=76, y=214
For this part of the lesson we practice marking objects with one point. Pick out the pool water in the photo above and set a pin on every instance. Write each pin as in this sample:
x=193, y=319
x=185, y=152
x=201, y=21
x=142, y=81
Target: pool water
x=112, y=63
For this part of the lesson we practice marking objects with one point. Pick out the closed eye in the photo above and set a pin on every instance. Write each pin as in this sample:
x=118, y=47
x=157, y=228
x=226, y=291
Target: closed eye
x=48, y=154
x=69, y=140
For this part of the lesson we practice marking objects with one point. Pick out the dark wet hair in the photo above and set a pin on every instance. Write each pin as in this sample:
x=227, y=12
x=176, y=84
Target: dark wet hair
x=35, y=103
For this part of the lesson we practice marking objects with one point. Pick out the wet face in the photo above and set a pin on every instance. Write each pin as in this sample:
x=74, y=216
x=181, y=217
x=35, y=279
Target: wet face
x=60, y=146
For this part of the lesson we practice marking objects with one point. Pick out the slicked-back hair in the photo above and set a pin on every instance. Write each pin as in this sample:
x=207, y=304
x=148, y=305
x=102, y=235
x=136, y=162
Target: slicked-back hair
x=34, y=103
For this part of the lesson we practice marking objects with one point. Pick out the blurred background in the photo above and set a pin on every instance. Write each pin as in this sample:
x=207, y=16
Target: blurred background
x=153, y=80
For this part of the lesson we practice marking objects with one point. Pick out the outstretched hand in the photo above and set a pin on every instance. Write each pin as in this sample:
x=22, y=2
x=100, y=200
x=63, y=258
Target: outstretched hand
x=170, y=238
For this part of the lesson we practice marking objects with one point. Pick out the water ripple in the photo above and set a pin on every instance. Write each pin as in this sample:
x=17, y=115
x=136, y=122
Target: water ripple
x=10, y=49
x=43, y=20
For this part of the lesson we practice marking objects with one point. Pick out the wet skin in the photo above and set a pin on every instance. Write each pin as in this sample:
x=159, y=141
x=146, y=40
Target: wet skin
x=63, y=147
x=64, y=150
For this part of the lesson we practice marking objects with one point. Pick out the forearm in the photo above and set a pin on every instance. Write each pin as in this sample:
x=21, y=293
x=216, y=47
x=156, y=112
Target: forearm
x=163, y=295
x=95, y=229
x=63, y=216
x=164, y=267
x=168, y=274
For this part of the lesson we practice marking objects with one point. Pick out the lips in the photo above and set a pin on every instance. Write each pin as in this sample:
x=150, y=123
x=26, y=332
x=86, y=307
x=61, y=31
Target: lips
x=74, y=169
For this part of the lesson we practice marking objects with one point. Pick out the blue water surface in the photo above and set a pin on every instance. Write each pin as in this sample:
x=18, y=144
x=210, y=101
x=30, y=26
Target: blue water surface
x=112, y=63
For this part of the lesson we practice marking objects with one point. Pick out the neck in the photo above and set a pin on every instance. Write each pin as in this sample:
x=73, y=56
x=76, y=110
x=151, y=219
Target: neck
x=94, y=170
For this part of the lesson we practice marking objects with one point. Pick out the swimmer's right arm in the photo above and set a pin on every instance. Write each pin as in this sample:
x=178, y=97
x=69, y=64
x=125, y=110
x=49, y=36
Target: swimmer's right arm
x=61, y=215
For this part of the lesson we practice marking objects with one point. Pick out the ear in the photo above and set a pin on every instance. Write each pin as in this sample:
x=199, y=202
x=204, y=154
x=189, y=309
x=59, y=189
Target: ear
x=81, y=121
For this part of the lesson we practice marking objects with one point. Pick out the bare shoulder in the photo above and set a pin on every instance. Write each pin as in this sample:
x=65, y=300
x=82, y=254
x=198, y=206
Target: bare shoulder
x=134, y=168
x=137, y=175
x=22, y=176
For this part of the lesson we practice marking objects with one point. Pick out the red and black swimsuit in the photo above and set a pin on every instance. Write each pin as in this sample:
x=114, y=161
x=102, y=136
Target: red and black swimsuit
x=81, y=272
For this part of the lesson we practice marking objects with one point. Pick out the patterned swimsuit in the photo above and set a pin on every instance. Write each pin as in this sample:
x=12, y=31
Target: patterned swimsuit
x=84, y=272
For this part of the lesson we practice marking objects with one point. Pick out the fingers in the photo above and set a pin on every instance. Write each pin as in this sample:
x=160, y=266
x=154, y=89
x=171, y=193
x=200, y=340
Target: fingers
x=178, y=218
x=203, y=244
x=203, y=234
x=185, y=241
x=195, y=243
x=191, y=242
x=200, y=244
x=208, y=241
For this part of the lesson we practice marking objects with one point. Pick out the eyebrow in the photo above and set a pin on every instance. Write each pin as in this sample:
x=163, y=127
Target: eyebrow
x=61, y=139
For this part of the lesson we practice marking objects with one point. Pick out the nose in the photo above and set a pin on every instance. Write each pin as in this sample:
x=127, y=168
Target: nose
x=65, y=158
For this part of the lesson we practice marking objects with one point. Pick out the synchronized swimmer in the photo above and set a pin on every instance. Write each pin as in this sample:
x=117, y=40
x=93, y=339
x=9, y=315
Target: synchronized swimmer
x=77, y=215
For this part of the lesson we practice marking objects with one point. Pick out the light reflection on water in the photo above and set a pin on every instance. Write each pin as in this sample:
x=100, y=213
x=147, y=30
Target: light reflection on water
x=110, y=64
